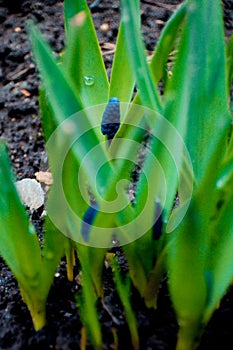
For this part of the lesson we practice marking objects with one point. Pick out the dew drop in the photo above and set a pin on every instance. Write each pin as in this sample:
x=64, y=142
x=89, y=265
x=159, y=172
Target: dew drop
x=89, y=80
x=221, y=182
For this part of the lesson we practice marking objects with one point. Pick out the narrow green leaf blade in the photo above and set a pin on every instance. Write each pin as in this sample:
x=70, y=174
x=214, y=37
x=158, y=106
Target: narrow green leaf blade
x=122, y=80
x=92, y=260
x=219, y=263
x=229, y=53
x=123, y=289
x=58, y=87
x=139, y=266
x=19, y=242
x=148, y=92
x=88, y=311
x=83, y=58
x=166, y=43
x=186, y=265
x=48, y=119
x=53, y=251
x=198, y=87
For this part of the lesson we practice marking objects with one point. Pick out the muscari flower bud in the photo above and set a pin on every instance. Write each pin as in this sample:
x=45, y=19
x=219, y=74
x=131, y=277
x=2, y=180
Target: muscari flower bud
x=87, y=221
x=111, y=118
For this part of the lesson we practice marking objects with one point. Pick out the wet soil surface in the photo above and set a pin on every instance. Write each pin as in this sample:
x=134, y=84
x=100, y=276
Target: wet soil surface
x=20, y=126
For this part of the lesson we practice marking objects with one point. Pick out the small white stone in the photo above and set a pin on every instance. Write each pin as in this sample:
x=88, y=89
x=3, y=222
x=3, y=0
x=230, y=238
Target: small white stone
x=31, y=193
x=104, y=27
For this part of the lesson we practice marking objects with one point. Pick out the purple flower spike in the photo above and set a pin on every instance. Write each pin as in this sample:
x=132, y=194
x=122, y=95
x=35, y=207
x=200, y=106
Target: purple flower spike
x=88, y=219
x=111, y=118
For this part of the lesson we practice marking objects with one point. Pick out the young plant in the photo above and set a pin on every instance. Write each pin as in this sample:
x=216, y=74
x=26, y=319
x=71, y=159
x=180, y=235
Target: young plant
x=80, y=83
x=189, y=157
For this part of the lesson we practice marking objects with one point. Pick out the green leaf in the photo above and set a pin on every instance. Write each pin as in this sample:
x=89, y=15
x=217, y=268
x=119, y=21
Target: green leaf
x=19, y=245
x=229, y=54
x=198, y=92
x=70, y=259
x=88, y=311
x=224, y=180
x=59, y=89
x=126, y=145
x=148, y=92
x=139, y=256
x=71, y=8
x=92, y=260
x=52, y=252
x=219, y=263
x=166, y=43
x=65, y=204
x=82, y=58
x=48, y=119
x=186, y=265
x=156, y=274
x=122, y=81
x=123, y=289
x=200, y=96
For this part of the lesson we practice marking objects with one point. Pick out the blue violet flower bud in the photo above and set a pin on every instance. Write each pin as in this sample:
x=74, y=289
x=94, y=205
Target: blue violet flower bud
x=88, y=219
x=111, y=118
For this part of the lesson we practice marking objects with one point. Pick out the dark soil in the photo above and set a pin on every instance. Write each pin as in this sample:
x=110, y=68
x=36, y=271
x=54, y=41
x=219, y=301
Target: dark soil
x=20, y=126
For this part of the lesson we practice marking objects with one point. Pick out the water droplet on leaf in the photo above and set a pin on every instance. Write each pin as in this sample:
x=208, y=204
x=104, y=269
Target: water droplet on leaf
x=219, y=184
x=89, y=80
